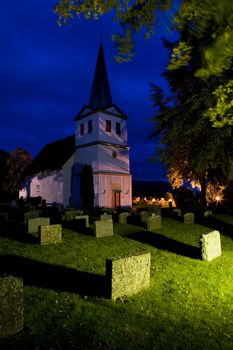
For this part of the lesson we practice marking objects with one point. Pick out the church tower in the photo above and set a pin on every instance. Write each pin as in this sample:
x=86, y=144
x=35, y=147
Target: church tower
x=101, y=141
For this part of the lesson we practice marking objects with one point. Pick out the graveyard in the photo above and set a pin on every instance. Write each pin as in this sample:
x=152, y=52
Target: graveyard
x=136, y=284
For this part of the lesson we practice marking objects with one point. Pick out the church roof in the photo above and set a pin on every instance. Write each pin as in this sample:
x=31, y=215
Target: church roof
x=53, y=155
x=100, y=97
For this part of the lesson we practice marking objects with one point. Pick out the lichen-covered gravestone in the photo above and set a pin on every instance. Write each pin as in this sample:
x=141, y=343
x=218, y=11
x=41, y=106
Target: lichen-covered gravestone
x=127, y=275
x=33, y=224
x=49, y=234
x=189, y=218
x=11, y=305
x=153, y=222
x=123, y=218
x=103, y=228
x=210, y=245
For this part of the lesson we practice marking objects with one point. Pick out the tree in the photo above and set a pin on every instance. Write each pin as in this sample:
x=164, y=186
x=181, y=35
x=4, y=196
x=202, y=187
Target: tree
x=191, y=147
x=16, y=164
x=87, y=189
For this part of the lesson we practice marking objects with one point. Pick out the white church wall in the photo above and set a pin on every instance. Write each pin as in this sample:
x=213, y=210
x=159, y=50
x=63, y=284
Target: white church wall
x=105, y=184
x=48, y=185
x=105, y=158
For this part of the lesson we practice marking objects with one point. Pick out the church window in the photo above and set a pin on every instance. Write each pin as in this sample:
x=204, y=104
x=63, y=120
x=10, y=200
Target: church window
x=81, y=129
x=89, y=126
x=118, y=128
x=108, y=126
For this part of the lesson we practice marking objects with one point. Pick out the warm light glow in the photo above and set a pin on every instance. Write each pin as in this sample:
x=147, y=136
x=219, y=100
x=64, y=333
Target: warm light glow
x=218, y=198
x=153, y=200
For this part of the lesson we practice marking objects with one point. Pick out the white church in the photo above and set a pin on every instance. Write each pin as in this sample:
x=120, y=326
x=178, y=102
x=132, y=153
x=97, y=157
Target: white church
x=100, y=140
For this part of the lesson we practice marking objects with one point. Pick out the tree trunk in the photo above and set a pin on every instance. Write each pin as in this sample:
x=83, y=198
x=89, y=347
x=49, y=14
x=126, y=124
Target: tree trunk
x=203, y=192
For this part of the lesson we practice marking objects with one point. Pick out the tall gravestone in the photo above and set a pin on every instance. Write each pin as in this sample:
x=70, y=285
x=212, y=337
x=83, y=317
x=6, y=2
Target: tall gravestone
x=11, y=305
x=123, y=218
x=210, y=245
x=188, y=218
x=153, y=222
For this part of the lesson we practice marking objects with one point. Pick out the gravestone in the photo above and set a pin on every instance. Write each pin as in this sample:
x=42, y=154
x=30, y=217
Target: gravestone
x=70, y=214
x=153, y=222
x=105, y=217
x=127, y=275
x=156, y=210
x=33, y=224
x=30, y=215
x=83, y=217
x=123, y=218
x=177, y=212
x=11, y=305
x=103, y=228
x=49, y=234
x=144, y=216
x=188, y=218
x=207, y=213
x=210, y=245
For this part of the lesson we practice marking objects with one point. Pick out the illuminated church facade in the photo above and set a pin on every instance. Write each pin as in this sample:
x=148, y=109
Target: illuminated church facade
x=100, y=140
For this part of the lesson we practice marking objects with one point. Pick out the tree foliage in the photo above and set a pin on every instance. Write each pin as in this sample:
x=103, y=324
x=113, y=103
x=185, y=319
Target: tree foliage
x=133, y=16
x=191, y=147
x=16, y=164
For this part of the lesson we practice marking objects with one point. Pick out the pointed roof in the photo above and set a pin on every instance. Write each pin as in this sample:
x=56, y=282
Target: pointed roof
x=100, y=97
x=52, y=156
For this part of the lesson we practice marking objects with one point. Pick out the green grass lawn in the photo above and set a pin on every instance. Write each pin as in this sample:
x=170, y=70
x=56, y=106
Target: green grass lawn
x=189, y=304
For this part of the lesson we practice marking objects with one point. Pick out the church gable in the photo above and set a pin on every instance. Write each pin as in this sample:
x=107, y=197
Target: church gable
x=114, y=110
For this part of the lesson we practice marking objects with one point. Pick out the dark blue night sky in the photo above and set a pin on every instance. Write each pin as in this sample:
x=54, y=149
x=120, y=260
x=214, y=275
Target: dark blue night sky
x=46, y=73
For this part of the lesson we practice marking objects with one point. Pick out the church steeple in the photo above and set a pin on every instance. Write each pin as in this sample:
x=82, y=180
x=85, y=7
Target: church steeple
x=100, y=97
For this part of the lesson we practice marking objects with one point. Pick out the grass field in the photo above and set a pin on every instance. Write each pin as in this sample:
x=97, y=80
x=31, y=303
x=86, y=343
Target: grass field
x=189, y=304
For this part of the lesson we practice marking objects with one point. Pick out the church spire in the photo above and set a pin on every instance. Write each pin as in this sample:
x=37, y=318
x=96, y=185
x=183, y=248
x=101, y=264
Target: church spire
x=100, y=97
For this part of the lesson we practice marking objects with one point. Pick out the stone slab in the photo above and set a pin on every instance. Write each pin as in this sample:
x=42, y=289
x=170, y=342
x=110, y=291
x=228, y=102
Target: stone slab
x=83, y=217
x=49, y=234
x=177, y=212
x=30, y=215
x=188, y=218
x=105, y=217
x=153, y=222
x=208, y=213
x=128, y=275
x=123, y=218
x=144, y=216
x=210, y=245
x=33, y=224
x=103, y=228
x=11, y=306
x=70, y=214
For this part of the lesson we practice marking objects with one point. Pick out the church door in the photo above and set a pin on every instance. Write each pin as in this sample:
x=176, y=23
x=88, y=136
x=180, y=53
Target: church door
x=116, y=199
